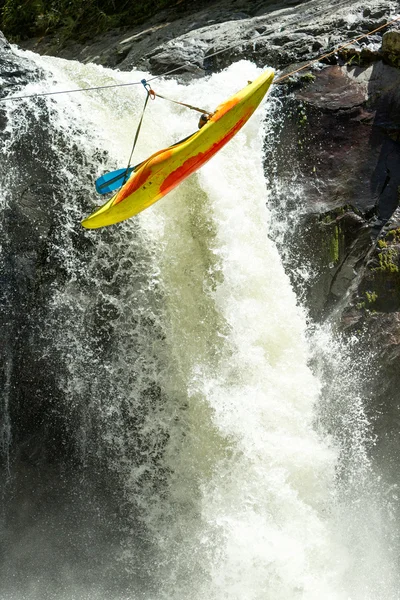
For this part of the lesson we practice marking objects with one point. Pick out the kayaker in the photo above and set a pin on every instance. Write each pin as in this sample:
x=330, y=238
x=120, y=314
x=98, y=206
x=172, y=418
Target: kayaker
x=203, y=120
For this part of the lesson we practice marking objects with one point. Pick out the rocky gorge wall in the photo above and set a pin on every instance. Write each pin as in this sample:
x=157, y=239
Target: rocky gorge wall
x=338, y=140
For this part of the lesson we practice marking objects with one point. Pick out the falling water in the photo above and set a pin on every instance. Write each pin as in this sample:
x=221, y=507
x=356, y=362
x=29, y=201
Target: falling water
x=196, y=420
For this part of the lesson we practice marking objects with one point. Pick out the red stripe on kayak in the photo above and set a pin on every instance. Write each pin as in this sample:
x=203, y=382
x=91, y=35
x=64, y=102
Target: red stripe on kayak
x=195, y=162
x=142, y=175
x=132, y=185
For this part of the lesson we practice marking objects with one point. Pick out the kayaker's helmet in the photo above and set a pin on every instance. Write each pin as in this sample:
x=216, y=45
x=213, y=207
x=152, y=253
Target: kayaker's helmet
x=203, y=120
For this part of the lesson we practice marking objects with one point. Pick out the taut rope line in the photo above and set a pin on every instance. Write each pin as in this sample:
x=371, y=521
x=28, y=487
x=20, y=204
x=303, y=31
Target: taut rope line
x=100, y=87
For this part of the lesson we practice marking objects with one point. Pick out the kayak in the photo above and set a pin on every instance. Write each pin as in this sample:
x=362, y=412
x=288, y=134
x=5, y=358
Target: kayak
x=164, y=170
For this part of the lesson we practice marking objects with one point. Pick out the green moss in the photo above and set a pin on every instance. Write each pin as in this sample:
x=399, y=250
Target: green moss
x=333, y=237
x=307, y=77
x=371, y=297
x=302, y=120
x=334, y=245
x=393, y=59
x=382, y=244
x=354, y=60
x=365, y=305
x=393, y=235
x=388, y=259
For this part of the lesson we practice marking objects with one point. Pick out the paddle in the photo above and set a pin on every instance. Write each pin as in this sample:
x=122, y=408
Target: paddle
x=113, y=180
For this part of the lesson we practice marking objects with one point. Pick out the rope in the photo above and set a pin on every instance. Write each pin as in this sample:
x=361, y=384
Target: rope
x=200, y=110
x=150, y=94
x=100, y=87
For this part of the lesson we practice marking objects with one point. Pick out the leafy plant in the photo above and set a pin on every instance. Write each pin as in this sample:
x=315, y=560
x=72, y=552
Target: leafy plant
x=77, y=19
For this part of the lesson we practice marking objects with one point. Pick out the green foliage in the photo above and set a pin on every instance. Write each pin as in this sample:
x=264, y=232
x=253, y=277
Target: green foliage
x=77, y=19
x=388, y=260
x=18, y=18
x=365, y=305
x=307, y=77
x=302, y=117
x=355, y=59
x=334, y=245
x=303, y=120
x=393, y=236
x=371, y=297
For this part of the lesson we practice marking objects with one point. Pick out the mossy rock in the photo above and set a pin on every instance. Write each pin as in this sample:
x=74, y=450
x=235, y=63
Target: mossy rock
x=391, y=47
x=380, y=287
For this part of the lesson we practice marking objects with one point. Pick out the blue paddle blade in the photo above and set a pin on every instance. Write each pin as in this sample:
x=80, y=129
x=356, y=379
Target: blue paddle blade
x=113, y=180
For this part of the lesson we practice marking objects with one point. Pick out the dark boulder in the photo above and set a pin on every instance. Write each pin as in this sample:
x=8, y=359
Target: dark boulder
x=391, y=47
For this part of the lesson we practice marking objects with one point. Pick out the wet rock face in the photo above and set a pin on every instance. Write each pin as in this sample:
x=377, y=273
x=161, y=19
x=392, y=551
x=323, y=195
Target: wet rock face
x=340, y=127
x=376, y=292
x=345, y=137
x=19, y=250
x=33, y=192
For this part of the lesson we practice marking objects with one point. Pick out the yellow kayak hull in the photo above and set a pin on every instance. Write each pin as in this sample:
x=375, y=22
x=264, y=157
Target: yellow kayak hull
x=165, y=169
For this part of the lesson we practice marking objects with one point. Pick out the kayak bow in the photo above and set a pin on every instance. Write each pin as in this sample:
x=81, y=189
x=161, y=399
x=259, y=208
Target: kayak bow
x=165, y=169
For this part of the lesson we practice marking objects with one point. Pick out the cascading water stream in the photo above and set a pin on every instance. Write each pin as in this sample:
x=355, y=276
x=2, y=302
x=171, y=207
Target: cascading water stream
x=186, y=379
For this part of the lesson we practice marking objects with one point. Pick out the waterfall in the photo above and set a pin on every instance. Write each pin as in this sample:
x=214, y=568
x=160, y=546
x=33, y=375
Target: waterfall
x=197, y=459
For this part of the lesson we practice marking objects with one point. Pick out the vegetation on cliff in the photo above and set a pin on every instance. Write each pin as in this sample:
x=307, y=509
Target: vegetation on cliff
x=78, y=19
